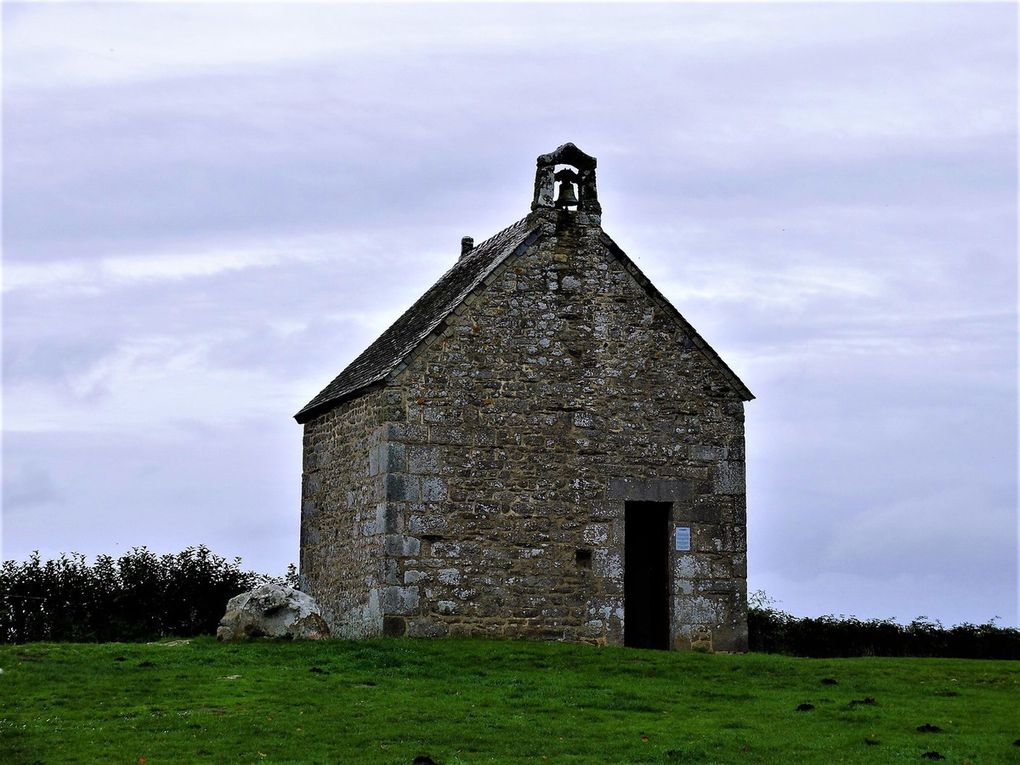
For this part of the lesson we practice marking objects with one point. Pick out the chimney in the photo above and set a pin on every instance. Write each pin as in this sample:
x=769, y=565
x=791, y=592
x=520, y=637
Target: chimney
x=466, y=245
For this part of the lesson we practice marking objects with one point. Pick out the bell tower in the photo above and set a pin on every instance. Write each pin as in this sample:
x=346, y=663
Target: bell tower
x=565, y=180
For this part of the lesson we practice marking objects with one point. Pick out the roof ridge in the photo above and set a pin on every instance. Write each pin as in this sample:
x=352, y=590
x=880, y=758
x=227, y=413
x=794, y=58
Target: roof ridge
x=411, y=328
x=513, y=225
x=480, y=247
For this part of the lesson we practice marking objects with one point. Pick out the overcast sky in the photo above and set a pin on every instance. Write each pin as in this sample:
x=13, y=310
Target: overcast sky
x=209, y=210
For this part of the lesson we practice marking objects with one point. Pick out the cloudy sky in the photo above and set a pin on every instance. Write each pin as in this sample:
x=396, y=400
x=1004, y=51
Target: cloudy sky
x=208, y=210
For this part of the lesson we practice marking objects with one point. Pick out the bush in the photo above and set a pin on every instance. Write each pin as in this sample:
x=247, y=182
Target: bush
x=771, y=630
x=139, y=596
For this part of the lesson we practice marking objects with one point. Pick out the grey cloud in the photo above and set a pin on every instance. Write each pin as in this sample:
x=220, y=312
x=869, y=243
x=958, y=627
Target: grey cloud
x=27, y=486
x=166, y=491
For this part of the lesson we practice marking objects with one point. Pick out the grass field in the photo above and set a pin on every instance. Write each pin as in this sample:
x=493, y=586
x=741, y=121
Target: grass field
x=479, y=701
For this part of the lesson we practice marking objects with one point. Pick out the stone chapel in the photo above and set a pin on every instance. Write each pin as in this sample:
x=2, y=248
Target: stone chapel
x=540, y=447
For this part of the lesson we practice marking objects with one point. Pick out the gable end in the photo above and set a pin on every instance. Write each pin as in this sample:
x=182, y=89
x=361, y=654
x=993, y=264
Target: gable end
x=699, y=342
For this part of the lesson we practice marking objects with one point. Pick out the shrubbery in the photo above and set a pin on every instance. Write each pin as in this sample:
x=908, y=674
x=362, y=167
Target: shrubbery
x=139, y=596
x=771, y=630
x=144, y=596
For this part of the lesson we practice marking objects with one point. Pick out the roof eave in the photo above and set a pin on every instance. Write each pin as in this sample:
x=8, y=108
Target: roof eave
x=310, y=412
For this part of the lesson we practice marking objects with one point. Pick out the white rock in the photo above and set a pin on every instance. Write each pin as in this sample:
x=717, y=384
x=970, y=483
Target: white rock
x=272, y=610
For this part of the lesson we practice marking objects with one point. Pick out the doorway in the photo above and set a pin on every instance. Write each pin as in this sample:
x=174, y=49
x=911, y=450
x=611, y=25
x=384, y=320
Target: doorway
x=646, y=575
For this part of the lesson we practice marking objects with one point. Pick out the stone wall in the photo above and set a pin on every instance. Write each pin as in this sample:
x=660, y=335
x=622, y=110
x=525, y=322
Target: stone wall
x=483, y=492
x=342, y=512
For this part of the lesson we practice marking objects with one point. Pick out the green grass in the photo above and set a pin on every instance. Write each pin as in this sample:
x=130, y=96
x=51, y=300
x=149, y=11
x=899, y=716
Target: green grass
x=481, y=701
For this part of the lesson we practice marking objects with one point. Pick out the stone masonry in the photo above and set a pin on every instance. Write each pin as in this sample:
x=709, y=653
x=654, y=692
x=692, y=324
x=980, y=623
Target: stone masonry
x=471, y=475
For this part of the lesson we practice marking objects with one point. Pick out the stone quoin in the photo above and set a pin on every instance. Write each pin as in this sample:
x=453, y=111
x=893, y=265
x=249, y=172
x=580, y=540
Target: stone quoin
x=540, y=447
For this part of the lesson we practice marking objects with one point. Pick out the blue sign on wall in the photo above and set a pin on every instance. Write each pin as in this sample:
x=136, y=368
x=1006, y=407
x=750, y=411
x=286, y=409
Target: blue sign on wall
x=683, y=538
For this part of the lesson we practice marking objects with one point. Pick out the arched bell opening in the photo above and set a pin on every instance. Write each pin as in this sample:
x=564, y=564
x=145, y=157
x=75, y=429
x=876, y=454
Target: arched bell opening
x=565, y=180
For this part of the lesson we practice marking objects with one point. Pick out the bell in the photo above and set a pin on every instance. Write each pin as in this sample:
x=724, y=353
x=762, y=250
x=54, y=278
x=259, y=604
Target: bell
x=567, y=196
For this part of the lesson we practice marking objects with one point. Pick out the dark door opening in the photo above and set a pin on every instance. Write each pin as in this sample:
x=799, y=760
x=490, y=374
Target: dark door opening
x=646, y=575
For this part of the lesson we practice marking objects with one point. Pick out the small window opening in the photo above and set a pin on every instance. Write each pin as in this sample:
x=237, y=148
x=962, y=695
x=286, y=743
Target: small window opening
x=583, y=558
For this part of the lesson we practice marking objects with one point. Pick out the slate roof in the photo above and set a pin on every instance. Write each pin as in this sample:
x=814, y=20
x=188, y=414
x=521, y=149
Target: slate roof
x=431, y=309
x=418, y=322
